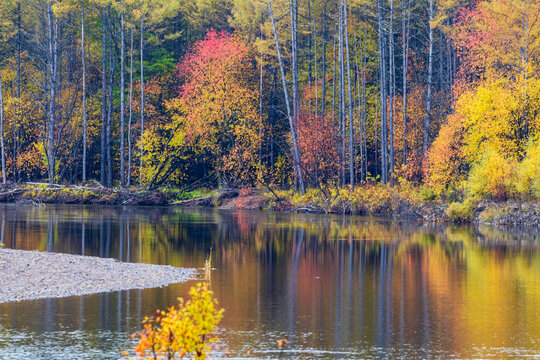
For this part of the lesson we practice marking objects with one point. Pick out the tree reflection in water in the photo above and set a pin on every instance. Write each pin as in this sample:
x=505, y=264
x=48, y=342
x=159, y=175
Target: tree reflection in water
x=334, y=286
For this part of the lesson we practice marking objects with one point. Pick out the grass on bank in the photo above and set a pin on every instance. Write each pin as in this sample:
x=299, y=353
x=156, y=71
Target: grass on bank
x=461, y=212
x=367, y=199
x=177, y=194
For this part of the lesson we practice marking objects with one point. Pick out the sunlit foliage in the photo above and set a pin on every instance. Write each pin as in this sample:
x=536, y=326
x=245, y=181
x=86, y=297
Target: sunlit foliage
x=528, y=173
x=492, y=176
x=183, y=331
x=497, y=110
x=215, y=114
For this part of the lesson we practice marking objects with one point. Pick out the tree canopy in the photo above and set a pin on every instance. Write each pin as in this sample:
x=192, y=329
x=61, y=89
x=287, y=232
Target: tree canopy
x=244, y=92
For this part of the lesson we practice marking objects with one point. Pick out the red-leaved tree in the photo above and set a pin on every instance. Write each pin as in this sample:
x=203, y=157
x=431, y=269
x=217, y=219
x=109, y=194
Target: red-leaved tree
x=218, y=105
x=317, y=141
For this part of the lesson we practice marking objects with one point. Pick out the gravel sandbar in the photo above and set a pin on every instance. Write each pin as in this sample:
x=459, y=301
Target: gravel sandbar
x=27, y=275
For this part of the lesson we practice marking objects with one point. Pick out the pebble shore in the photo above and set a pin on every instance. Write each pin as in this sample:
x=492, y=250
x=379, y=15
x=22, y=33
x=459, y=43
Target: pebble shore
x=29, y=275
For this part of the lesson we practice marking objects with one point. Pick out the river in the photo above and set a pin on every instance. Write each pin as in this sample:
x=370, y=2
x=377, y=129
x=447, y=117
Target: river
x=336, y=287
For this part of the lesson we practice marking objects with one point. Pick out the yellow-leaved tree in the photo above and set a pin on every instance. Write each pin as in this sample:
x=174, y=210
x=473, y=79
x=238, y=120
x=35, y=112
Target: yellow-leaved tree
x=497, y=97
x=528, y=173
x=183, y=331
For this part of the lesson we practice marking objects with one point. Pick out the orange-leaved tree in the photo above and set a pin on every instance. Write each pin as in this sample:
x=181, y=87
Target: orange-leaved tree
x=317, y=141
x=217, y=110
x=445, y=165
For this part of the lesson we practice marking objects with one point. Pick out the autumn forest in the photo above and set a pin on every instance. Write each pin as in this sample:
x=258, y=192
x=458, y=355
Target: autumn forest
x=297, y=94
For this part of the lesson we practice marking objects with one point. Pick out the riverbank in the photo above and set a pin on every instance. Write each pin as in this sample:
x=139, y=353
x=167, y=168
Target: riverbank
x=90, y=194
x=30, y=275
x=400, y=203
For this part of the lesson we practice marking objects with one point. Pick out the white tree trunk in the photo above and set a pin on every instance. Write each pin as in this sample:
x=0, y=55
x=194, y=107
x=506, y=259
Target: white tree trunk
x=296, y=153
x=2, y=133
x=122, y=100
x=427, y=124
x=83, y=61
x=142, y=96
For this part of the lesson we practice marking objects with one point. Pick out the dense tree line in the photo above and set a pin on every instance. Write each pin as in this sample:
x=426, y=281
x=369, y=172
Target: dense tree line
x=296, y=93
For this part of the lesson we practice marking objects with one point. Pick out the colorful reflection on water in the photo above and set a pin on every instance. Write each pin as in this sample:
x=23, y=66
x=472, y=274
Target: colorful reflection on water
x=334, y=286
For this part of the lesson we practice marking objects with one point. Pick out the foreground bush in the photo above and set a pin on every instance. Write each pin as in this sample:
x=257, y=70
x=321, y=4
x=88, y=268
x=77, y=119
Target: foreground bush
x=180, y=332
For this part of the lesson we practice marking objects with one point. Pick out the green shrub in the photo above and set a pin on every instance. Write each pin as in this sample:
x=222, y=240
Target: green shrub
x=427, y=194
x=461, y=212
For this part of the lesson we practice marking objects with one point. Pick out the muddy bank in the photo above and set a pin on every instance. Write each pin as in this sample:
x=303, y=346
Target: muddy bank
x=28, y=275
x=92, y=194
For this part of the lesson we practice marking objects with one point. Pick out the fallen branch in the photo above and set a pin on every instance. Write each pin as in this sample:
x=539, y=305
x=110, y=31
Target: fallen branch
x=269, y=188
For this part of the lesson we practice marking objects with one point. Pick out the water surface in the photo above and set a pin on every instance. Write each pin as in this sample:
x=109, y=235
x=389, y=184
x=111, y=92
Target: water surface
x=334, y=286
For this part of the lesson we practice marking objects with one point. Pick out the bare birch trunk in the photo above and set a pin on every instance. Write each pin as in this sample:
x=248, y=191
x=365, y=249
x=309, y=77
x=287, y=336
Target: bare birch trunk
x=130, y=103
x=142, y=97
x=53, y=54
x=4, y=180
x=391, y=86
x=427, y=124
x=18, y=108
x=83, y=61
x=110, y=111
x=122, y=100
x=323, y=85
x=294, y=51
x=341, y=109
x=349, y=81
x=405, y=30
x=103, y=158
x=382, y=84
x=296, y=153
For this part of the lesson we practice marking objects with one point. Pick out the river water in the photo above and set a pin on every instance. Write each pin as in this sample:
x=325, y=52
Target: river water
x=334, y=286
